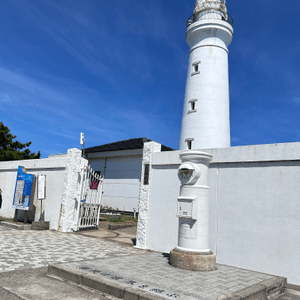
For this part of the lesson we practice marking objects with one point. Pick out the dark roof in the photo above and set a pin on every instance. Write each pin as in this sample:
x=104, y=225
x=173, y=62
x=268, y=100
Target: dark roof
x=124, y=145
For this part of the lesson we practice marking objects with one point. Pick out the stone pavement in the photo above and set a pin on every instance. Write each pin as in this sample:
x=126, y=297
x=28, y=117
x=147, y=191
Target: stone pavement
x=96, y=260
x=21, y=249
x=151, y=272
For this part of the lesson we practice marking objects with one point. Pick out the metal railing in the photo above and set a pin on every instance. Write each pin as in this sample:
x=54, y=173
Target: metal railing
x=210, y=4
x=217, y=15
x=89, y=199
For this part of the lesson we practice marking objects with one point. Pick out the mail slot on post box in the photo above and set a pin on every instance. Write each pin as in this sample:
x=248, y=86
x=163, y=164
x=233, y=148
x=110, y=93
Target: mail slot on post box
x=188, y=173
x=186, y=208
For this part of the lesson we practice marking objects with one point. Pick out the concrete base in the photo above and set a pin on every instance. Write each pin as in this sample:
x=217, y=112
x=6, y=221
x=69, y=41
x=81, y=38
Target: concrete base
x=15, y=226
x=40, y=225
x=193, y=261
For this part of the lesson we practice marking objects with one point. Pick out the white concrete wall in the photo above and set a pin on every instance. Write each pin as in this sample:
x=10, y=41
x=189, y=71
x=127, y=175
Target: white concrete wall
x=53, y=168
x=254, y=207
x=61, y=187
x=122, y=173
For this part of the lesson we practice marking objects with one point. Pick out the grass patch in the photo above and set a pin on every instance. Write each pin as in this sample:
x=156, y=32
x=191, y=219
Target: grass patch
x=12, y=221
x=5, y=219
x=122, y=219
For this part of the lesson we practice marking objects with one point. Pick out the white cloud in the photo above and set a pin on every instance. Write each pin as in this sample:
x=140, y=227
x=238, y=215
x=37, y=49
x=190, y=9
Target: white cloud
x=6, y=98
x=296, y=100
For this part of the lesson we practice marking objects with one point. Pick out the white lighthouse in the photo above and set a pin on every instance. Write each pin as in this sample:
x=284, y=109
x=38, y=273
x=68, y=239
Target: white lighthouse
x=205, y=120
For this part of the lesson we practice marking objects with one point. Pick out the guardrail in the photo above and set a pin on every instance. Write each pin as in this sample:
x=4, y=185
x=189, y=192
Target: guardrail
x=217, y=15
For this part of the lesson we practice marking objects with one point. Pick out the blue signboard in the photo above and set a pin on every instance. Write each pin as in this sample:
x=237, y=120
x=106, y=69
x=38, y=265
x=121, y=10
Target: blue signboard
x=23, y=189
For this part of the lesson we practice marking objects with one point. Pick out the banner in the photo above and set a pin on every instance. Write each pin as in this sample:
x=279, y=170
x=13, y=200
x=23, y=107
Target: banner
x=23, y=189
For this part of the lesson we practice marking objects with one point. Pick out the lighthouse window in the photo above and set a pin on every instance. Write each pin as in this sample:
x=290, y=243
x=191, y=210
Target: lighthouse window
x=192, y=106
x=196, y=67
x=189, y=142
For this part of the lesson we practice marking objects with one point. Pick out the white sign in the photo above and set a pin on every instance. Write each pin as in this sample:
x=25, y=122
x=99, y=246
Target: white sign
x=19, y=199
x=41, y=186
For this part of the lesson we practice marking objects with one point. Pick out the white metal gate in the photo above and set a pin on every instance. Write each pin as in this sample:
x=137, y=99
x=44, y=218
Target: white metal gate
x=90, y=197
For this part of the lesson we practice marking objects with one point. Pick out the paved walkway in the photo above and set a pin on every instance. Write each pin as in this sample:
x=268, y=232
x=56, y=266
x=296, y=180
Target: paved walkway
x=152, y=273
x=94, y=255
x=34, y=249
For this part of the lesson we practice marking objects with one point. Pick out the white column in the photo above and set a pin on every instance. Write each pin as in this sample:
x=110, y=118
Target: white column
x=144, y=196
x=193, y=202
x=69, y=203
x=193, y=252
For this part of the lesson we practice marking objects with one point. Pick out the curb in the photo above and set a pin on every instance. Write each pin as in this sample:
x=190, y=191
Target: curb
x=15, y=226
x=6, y=294
x=104, y=285
x=268, y=289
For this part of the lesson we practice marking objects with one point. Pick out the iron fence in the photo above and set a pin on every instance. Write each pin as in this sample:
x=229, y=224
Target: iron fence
x=217, y=15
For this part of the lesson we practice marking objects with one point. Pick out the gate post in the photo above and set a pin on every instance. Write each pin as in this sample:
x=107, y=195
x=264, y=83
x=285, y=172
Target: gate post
x=75, y=162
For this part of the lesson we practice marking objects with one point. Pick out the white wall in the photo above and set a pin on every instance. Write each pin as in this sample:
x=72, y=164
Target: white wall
x=122, y=173
x=62, y=178
x=254, y=207
x=53, y=168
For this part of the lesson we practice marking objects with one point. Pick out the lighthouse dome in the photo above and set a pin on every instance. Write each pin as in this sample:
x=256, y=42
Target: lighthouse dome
x=210, y=9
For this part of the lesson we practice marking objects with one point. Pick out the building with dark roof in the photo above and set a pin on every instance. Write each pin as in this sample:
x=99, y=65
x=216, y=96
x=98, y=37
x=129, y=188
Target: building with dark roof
x=137, y=143
x=121, y=165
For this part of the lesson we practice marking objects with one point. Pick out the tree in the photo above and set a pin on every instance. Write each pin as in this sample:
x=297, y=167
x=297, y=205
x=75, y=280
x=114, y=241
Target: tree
x=11, y=149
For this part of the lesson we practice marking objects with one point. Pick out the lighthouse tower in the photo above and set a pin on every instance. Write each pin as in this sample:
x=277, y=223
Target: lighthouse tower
x=205, y=120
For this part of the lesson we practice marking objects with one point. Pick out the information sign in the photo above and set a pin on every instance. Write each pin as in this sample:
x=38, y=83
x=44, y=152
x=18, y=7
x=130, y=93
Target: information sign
x=41, y=186
x=23, y=189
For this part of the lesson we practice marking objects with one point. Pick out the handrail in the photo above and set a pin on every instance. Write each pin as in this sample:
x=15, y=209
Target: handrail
x=210, y=4
x=210, y=15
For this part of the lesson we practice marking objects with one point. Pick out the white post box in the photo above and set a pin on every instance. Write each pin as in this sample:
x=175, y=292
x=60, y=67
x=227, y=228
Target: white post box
x=193, y=252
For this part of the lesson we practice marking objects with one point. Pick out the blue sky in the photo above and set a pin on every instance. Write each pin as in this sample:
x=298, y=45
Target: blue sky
x=117, y=70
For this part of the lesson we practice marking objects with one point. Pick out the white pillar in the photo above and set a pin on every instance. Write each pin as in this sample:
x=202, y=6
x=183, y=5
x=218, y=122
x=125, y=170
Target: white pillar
x=144, y=196
x=205, y=120
x=193, y=252
x=69, y=203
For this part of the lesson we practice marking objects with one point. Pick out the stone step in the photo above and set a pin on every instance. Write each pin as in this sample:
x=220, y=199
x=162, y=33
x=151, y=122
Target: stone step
x=267, y=289
x=15, y=226
x=150, y=277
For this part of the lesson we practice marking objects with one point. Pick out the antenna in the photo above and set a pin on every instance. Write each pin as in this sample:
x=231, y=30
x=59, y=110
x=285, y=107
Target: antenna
x=82, y=142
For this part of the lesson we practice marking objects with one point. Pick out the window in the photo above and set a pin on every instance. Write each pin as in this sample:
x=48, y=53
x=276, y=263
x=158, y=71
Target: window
x=192, y=106
x=189, y=142
x=196, y=68
x=146, y=174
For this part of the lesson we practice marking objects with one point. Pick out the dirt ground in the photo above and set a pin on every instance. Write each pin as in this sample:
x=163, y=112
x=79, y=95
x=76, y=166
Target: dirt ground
x=124, y=235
